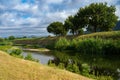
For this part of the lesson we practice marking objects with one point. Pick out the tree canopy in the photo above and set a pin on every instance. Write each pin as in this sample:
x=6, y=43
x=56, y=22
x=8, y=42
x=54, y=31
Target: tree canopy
x=97, y=17
x=57, y=28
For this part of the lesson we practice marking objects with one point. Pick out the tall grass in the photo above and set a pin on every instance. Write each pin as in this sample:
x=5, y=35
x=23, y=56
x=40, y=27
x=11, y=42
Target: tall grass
x=90, y=46
x=62, y=44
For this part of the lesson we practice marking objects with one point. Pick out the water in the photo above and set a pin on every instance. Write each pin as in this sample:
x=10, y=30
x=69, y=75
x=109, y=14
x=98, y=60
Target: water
x=43, y=58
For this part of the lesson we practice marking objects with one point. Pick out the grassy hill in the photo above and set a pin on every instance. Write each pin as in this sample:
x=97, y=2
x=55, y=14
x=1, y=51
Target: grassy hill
x=12, y=68
x=50, y=40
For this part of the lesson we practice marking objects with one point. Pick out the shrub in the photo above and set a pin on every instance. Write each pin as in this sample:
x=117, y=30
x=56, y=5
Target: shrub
x=62, y=44
x=29, y=57
x=51, y=64
x=73, y=68
x=85, y=69
x=61, y=65
x=111, y=48
x=11, y=38
x=15, y=51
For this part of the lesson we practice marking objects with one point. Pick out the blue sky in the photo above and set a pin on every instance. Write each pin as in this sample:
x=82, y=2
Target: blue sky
x=31, y=17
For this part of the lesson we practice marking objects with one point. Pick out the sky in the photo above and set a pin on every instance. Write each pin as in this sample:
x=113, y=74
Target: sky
x=31, y=17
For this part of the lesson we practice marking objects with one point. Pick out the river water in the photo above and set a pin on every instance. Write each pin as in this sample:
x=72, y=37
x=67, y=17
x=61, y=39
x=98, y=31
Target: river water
x=43, y=58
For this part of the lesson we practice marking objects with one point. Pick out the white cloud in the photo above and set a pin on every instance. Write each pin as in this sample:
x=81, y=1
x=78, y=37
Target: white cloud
x=23, y=17
x=118, y=11
x=54, y=1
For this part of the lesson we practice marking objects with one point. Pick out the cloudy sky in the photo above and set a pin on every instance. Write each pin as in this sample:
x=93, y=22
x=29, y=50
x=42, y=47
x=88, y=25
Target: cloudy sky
x=31, y=17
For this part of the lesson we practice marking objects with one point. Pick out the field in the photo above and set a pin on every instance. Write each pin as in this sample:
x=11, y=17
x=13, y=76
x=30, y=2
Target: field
x=12, y=68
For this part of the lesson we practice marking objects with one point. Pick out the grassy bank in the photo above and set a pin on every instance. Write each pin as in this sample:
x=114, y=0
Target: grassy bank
x=12, y=68
x=49, y=41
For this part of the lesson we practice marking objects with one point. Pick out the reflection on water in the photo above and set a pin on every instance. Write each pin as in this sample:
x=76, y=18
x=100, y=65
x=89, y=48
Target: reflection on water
x=43, y=58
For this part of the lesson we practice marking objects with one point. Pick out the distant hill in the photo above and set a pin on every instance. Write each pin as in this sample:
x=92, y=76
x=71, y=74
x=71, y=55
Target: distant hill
x=117, y=27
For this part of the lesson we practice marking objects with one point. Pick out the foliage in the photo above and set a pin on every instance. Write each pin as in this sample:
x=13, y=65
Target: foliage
x=95, y=66
x=98, y=17
x=57, y=28
x=1, y=39
x=95, y=18
x=11, y=37
x=62, y=44
x=85, y=69
x=73, y=68
x=14, y=51
x=5, y=48
x=61, y=66
x=29, y=57
x=51, y=64
x=89, y=46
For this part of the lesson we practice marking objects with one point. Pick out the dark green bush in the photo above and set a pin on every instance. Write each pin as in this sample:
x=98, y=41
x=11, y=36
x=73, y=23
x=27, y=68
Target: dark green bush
x=111, y=48
x=85, y=69
x=11, y=37
x=73, y=68
x=91, y=46
x=15, y=51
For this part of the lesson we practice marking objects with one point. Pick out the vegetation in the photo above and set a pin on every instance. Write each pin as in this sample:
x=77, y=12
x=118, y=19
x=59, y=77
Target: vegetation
x=29, y=57
x=96, y=17
x=57, y=28
x=12, y=68
x=11, y=38
x=94, y=55
x=94, y=66
x=90, y=46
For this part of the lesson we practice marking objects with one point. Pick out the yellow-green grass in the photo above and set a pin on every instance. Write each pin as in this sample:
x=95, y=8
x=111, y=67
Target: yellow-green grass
x=12, y=68
x=103, y=35
x=50, y=40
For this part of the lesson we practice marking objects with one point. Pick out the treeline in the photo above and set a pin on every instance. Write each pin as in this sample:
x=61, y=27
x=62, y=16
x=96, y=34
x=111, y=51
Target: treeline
x=96, y=17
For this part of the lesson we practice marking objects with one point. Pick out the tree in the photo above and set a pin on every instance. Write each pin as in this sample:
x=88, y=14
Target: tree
x=11, y=38
x=57, y=28
x=68, y=24
x=97, y=17
x=71, y=23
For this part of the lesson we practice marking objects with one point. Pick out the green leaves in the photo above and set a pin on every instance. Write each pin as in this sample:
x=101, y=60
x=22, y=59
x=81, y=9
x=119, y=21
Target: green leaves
x=98, y=17
x=57, y=28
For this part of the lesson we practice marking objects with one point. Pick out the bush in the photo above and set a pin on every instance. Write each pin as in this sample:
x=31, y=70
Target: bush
x=1, y=39
x=61, y=66
x=93, y=46
x=51, y=64
x=73, y=68
x=85, y=69
x=11, y=37
x=62, y=44
x=29, y=57
x=15, y=51
x=111, y=48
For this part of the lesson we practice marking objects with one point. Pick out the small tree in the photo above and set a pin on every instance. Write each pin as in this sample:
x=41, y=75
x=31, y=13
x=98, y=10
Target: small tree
x=57, y=28
x=11, y=38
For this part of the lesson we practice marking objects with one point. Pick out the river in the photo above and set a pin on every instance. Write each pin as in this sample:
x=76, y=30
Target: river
x=43, y=58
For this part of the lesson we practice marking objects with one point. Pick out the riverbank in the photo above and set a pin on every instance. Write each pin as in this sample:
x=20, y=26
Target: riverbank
x=12, y=68
x=36, y=50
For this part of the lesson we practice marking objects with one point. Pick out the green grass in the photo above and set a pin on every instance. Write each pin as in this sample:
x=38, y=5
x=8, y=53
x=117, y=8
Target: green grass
x=5, y=48
x=12, y=68
x=49, y=41
x=103, y=35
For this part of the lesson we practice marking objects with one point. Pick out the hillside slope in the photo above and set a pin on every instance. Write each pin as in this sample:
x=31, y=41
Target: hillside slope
x=12, y=68
x=50, y=40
